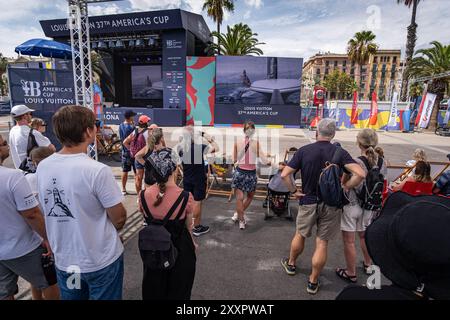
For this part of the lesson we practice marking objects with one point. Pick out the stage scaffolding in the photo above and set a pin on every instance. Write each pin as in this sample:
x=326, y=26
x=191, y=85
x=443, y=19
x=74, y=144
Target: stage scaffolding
x=78, y=23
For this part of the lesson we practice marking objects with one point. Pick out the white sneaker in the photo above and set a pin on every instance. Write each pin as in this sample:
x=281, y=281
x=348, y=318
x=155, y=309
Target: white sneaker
x=242, y=224
x=235, y=217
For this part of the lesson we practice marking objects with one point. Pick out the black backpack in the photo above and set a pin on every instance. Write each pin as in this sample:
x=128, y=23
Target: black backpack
x=27, y=165
x=329, y=186
x=155, y=241
x=371, y=194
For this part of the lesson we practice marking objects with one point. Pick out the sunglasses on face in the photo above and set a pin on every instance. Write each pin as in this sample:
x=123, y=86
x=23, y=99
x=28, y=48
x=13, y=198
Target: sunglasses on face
x=4, y=143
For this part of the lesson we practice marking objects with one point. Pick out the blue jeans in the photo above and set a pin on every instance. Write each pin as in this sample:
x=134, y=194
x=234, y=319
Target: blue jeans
x=105, y=284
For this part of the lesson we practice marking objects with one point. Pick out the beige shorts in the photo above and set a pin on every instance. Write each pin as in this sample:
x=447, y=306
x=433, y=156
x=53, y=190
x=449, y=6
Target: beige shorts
x=355, y=218
x=326, y=219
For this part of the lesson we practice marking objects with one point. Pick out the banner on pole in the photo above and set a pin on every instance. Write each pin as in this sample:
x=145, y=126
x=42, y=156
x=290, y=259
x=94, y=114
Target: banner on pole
x=427, y=109
x=333, y=110
x=393, y=115
x=419, y=112
x=373, y=110
x=447, y=114
x=354, y=117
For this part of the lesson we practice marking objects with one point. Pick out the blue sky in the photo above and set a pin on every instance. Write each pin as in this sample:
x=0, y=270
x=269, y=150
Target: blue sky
x=290, y=28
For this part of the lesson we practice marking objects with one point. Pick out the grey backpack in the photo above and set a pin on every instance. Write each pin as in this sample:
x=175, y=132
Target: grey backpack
x=155, y=241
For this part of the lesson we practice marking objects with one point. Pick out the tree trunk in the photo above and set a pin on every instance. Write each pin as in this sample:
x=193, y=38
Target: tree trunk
x=218, y=38
x=438, y=88
x=358, y=77
x=410, y=46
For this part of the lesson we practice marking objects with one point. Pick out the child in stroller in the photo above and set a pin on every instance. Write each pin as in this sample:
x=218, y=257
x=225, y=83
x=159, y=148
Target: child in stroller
x=277, y=198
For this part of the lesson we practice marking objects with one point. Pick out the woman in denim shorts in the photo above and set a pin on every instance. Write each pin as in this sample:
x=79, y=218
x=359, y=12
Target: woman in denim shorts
x=244, y=180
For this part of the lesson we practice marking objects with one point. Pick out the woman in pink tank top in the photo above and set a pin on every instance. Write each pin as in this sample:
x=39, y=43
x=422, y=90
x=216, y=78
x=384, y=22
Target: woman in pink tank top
x=245, y=154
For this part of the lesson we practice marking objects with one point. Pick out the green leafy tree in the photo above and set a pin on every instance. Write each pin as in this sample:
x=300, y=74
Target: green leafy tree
x=339, y=84
x=215, y=10
x=430, y=62
x=359, y=50
x=411, y=38
x=238, y=41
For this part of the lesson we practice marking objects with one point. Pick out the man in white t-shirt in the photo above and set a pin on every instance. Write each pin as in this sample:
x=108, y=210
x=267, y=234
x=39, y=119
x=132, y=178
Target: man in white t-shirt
x=18, y=136
x=21, y=248
x=83, y=211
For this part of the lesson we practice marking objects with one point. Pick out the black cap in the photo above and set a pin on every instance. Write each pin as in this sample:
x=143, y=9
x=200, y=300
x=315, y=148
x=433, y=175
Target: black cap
x=410, y=242
x=129, y=113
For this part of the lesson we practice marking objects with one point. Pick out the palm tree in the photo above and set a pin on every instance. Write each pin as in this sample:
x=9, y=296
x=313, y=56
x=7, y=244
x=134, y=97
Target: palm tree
x=430, y=62
x=359, y=50
x=96, y=64
x=412, y=37
x=416, y=90
x=238, y=41
x=215, y=10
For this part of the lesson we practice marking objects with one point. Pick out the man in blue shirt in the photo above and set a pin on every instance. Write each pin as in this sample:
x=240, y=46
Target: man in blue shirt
x=125, y=129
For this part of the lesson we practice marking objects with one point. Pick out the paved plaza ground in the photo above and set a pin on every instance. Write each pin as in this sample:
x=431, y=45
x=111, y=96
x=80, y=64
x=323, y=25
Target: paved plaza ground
x=236, y=264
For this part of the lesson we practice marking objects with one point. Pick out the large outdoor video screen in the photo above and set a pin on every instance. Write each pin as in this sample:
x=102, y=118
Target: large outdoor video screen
x=265, y=90
x=146, y=82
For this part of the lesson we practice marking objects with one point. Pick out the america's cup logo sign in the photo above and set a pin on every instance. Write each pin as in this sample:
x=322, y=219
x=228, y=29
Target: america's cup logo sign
x=31, y=88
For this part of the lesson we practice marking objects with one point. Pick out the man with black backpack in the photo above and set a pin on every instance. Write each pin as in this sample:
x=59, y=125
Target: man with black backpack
x=321, y=165
x=135, y=142
x=23, y=139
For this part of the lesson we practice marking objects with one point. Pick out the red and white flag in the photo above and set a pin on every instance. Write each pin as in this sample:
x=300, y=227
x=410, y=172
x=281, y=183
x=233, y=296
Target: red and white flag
x=373, y=110
x=354, y=117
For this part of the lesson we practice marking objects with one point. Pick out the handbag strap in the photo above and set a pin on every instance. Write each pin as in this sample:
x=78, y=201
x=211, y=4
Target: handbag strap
x=151, y=219
x=242, y=156
x=183, y=205
x=31, y=143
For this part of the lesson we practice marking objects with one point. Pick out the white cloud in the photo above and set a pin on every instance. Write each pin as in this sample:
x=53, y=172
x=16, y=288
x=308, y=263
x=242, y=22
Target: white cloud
x=146, y=5
x=98, y=10
x=8, y=44
x=194, y=5
x=299, y=35
x=226, y=16
x=17, y=10
x=290, y=28
x=254, y=3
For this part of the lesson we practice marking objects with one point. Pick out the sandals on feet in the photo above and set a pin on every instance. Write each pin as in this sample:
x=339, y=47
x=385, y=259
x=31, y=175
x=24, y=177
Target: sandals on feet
x=342, y=273
x=366, y=269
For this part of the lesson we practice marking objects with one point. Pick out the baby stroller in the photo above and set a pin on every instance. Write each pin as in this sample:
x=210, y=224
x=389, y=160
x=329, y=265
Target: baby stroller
x=277, y=198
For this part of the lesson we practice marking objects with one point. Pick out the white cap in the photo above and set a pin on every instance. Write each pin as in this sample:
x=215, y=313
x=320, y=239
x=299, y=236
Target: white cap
x=20, y=109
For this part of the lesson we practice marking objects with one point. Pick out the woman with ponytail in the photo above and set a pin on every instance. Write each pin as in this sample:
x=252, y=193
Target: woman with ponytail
x=355, y=217
x=175, y=283
x=155, y=141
